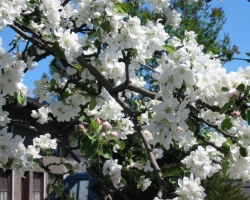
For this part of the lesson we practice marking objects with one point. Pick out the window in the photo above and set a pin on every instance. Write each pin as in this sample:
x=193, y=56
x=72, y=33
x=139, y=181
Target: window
x=5, y=184
x=37, y=186
x=79, y=191
x=25, y=186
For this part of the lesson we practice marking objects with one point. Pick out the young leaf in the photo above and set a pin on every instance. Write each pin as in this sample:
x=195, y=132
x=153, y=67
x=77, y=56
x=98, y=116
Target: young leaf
x=65, y=95
x=172, y=173
x=224, y=166
x=57, y=51
x=94, y=124
x=68, y=166
x=169, y=49
x=21, y=99
x=224, y=108
x=106, y=26
x=228, y=143
x=224, y=89
x=107, y=153
x=241, y=87
x=58, y=190
x=52, y=82
x=122, y=145
x=243, y=151
x=248, y=54
x=247, y=115
x=226, y=124
x=79, y=68
x=90, y=148
x=120, y=7
x=99, y=34
x=48, y=189
x=92, y=104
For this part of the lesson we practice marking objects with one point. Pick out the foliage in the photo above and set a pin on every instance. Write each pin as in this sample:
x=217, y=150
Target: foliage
x=160, y=142
x=218, y=188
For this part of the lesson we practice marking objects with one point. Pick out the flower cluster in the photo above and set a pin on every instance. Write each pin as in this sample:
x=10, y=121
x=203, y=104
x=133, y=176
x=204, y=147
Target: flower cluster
x=13, y=150
x=9, y=10
x=42, y=115
x=189, y=188
x=113, y=169
x=201, y=162
x=239, y=165
x=102, y=49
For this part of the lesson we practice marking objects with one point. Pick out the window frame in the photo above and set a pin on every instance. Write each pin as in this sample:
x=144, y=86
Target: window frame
x=40, y=179
x=6, y=176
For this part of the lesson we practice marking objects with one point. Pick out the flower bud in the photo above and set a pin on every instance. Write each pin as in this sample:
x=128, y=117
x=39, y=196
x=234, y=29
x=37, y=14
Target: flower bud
x=114, y=134
x=106, y=126
x=235, y=114
x=96, y=15
x=81, y=127
x=98, y=120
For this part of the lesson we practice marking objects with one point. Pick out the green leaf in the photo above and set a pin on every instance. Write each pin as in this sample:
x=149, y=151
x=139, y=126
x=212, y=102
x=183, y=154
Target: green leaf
x=57, y=51
x=24, y=20
x=224, y=89
x=172, y=173
x=124, y=181
x=95, y=125
x=83, y=141
x=79, y=68
x=243, y=151
x=174, y=181
x=243, y=114
x=106, y=152
x=224, y=166
x=48, y=188
x=241, y=87
x=91, y=148
x=32, y=1
x=68, y=166
x=58, y=190
x=21, y=99
x=99, y=34
x=229, y=55
x=226, y=124
x=71, y=172
x=92, y=104
x=228, y=143
x=248, y=54
x=106, y=26
x=169, y=49
x=82, y=118
x=247, y=115
x=224, y=108
x=65, y=95
x=53, y=82
x=149, y=115
x=122, y=145
x=120, y=7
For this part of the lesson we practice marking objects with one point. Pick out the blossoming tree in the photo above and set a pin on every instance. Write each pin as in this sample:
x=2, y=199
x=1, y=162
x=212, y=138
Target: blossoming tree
x=103, y=45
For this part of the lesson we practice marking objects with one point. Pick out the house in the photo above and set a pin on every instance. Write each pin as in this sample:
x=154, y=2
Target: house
x=33, y=187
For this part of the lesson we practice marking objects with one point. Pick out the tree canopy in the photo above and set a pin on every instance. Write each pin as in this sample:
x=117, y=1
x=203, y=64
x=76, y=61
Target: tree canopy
x=143, y=141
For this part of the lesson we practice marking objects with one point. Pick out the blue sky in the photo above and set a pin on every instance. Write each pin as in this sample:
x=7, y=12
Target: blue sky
x=237, y=25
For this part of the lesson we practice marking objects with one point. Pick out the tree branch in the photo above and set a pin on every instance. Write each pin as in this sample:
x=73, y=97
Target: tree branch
x=124, y=85
x=35, y=41
x=142, y=91
x=198, y=135
x=210, y=125
x=152, y=160
x=65, y=2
